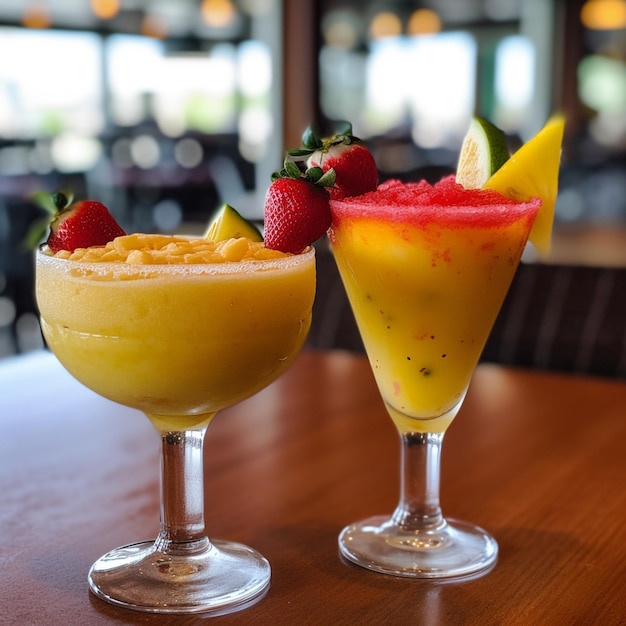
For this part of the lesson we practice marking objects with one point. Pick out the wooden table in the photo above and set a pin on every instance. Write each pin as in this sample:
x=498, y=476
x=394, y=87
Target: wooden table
x=538, y=459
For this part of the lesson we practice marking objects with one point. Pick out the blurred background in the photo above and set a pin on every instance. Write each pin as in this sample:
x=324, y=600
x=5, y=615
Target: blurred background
x=164, y=109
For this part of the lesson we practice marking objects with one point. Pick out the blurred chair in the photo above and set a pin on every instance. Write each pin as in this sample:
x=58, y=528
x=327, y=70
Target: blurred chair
x=555, y=317
x=563, y=317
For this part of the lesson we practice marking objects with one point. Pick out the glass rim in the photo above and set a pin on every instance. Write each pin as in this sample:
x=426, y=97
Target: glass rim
x=222, y=268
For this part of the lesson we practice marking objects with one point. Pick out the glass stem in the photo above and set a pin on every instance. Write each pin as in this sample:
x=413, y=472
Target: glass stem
x=418, y=508
x=182, y=493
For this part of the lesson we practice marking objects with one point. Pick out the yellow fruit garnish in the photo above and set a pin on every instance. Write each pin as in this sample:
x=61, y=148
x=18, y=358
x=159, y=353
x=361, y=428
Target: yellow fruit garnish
x=227, y=223
x=533, y=172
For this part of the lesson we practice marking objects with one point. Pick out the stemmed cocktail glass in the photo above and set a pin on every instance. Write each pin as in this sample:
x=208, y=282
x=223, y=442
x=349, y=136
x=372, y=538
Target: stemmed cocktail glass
x=179, y=342
x=426, y=271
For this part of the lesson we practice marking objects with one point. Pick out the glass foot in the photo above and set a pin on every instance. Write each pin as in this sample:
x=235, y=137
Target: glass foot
x=223, y=578
x=453, y=550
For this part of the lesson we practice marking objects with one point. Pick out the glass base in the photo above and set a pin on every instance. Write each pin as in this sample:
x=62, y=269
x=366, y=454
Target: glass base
x=223, y=578
x=453, y=550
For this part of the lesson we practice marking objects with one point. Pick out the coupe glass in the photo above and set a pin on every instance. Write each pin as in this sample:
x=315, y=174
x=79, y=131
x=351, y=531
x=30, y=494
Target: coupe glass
x=425, y=285
x=179, y=343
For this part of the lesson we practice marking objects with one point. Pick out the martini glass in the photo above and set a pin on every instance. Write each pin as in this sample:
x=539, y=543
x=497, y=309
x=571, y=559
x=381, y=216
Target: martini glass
x=426, y=271
x=178, y=342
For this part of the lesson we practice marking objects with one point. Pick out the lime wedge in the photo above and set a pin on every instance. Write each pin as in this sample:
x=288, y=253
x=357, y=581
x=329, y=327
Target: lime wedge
x=483, y=152
x=227, y=223
x=533, y=172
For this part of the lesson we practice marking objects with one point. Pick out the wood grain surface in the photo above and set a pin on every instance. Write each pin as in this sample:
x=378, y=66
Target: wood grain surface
x=537, y=459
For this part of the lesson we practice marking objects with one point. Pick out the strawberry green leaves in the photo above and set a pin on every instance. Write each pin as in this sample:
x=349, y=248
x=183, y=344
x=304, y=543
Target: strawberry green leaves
x=311, y=142
x=316, y=175
x=51, y=204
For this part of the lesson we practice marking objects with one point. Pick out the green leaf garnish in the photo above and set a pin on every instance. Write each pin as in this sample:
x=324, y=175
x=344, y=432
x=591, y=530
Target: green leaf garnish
x=36, y=233
x=52, y=204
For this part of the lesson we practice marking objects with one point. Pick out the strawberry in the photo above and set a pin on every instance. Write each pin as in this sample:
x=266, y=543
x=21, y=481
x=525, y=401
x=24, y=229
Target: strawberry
x=355, y=168
x=297, y=208
x=79, y=225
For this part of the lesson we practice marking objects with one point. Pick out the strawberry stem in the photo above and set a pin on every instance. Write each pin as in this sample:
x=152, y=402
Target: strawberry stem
x=61, y=200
